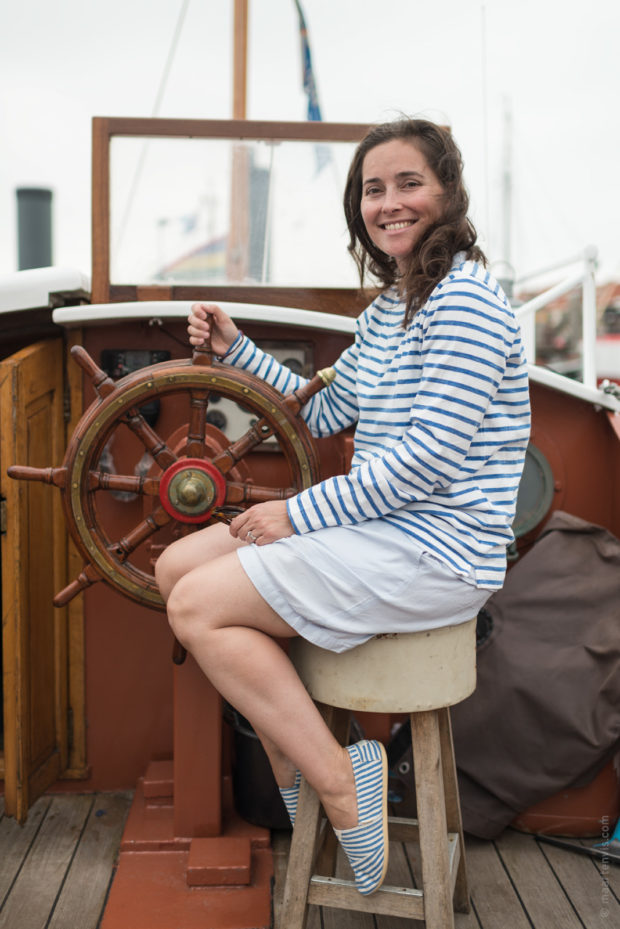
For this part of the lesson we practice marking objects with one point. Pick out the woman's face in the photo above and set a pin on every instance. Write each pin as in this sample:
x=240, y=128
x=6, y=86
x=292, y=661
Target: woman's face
x=401, y=198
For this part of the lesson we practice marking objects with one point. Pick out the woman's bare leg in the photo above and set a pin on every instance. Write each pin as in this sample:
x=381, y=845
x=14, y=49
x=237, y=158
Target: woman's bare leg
x=190, y=552
x=217, y=614
x=183, y=556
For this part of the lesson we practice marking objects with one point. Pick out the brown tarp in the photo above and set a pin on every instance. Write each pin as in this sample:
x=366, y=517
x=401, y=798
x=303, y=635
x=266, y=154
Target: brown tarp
x=545, y=715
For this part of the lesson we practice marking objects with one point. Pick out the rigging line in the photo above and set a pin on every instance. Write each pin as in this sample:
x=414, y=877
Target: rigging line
x=154, y=112
x=485, y=119
x=170, y=59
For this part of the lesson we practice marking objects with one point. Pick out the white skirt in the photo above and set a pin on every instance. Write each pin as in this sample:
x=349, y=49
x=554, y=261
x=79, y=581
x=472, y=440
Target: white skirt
x=339, y=587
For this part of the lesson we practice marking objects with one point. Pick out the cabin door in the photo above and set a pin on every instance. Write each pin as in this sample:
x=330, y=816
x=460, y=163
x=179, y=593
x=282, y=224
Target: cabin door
x=34, y=555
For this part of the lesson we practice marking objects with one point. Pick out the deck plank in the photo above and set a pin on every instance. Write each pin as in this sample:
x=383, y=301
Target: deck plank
x=399, y=874
x=610, y=872
x=470, y=920
x=461, y=920
x=543, y=896
x=84, y=891
x=345, y=919
x=586, y=883
x=280, y=842
x=43, y=870
x=496, y=903
x=15, y=843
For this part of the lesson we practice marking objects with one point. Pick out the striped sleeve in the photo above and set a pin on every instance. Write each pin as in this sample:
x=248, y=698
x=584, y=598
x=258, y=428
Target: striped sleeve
x=461, y=357
x=327, y=412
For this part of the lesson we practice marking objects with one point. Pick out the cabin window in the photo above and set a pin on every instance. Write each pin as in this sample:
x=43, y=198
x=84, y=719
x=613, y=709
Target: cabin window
x=220, y=211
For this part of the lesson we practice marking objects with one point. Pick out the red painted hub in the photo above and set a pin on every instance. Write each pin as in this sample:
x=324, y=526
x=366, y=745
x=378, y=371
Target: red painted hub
x=191, y=488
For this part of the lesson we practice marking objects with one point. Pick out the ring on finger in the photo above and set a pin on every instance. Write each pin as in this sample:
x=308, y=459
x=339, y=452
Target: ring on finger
x=250, y=536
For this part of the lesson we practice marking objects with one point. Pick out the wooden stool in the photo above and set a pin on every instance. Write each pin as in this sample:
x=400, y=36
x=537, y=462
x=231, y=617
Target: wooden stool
x=422, y=674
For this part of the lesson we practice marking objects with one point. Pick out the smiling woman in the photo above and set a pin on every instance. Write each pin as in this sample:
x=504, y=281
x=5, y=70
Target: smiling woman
x=421, y=158
x=401, y=198
x=414, y=537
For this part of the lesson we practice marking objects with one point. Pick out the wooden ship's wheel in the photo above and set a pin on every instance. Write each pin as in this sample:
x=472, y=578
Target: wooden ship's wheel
x=195, y=472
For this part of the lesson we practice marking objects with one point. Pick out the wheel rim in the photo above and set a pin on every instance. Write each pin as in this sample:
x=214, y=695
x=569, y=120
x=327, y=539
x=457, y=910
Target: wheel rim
x=110, y=558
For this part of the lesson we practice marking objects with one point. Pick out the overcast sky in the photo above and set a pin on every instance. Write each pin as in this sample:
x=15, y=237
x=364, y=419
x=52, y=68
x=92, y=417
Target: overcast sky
x=554, y=66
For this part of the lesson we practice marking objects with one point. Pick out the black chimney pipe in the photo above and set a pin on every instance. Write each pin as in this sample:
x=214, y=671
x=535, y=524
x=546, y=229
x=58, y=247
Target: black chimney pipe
x=34, y=227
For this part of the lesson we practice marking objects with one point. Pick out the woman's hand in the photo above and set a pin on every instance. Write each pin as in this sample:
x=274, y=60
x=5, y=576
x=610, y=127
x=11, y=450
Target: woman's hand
x=209, y=319
x=263, y=523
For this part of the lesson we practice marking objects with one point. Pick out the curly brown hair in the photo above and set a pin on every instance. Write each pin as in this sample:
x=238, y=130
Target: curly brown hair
x=432, y=257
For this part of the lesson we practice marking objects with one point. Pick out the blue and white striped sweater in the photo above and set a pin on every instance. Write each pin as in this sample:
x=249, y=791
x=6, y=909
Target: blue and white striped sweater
x=443, y=418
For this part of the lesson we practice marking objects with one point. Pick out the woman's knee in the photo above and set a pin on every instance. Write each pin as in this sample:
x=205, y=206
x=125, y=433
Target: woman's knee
x=191, y=551
x=187, y=610
x=169, y=568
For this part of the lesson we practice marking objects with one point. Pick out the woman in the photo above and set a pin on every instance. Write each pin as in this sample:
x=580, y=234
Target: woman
x=414, y=536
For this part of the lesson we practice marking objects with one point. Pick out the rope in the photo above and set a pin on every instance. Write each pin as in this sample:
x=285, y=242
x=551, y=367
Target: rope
x=154, y=112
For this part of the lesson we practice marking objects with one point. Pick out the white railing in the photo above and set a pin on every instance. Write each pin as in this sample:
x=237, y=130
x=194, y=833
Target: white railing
x=586, y=388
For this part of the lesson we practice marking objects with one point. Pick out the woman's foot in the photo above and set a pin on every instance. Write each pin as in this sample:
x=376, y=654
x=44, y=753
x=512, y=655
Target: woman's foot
x=366, y=844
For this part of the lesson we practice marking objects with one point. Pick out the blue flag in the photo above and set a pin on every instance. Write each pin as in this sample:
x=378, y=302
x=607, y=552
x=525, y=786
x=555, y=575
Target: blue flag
x=314, y=110
x=323, y=155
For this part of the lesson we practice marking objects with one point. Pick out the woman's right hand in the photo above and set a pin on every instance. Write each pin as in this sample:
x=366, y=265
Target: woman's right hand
x=209, y=319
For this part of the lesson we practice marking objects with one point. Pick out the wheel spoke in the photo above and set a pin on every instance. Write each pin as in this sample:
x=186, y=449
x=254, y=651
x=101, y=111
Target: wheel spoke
x=103, y=480
x=179, y=652
x=89, y=575
x=202, y=355
x=199, y=400
x=253, y=493
x=125, y=546
x=102, y=382
x=262, y=429
x=234, y=452
x=149, y=438
x=57, y=476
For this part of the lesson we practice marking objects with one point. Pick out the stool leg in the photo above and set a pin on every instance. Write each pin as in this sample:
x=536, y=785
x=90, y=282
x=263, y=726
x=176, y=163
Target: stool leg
x=453, y=808
x=437, y=887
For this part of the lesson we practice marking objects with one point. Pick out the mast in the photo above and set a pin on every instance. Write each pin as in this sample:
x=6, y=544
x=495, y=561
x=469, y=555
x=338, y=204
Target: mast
x=507, y=275
x=237, y=251
x=507, y=185
x=240, y=59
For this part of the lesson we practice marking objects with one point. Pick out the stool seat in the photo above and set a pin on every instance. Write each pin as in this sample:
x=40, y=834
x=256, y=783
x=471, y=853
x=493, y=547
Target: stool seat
x=396, y=673
x=421, y=674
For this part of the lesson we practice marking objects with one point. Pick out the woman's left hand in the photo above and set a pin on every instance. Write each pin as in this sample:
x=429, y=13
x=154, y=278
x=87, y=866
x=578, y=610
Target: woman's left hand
x=263, y=523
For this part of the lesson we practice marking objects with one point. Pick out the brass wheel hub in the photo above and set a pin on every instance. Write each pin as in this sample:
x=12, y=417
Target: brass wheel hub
x=190, y=489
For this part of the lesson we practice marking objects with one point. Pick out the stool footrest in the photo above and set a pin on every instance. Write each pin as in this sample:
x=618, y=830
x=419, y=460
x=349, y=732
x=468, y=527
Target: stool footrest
x=403, y=830
x=387, y=901
x=408, y=830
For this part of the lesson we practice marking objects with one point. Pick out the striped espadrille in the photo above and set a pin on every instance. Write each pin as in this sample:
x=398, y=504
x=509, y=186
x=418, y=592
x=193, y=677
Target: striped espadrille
x=366, y=845
x=290, y=795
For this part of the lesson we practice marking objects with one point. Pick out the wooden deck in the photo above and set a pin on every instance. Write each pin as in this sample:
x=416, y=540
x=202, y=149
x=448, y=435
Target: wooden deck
x=56, y=870
x=515, y=882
